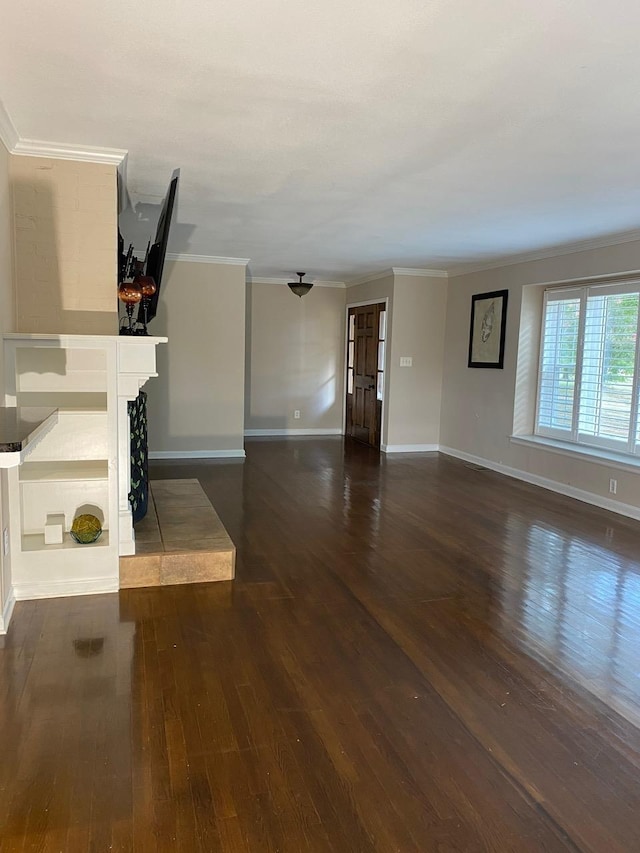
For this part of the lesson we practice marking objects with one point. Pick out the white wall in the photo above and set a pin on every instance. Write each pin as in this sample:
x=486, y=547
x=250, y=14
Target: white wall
x=478, y=405
x=7, y=311
x=7, y=307
x=415, y=393
x=295, y=358
x=66, y=237
x=415, y=328
x=197, y=401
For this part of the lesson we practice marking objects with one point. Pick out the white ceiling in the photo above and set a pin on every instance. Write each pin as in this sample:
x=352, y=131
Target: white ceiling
x=342, y=138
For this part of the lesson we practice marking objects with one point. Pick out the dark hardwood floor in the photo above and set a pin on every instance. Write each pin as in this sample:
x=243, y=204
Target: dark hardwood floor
x=415, y=656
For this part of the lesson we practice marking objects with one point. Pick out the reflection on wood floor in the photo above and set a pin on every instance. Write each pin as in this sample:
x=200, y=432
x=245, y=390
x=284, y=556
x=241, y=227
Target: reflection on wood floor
x=415, y=656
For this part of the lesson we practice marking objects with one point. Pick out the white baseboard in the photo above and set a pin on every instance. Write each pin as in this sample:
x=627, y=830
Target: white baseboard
x=560, y=488
x=332, y=431
x=409, y=448
x=7, y=612
x=62, y=589
x=197, y=454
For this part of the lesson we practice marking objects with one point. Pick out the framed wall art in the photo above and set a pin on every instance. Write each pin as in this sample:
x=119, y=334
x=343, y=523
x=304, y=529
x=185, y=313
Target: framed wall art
x=488, y=329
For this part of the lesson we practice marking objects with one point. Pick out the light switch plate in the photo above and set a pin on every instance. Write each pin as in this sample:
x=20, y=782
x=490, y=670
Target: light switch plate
x=406, y=361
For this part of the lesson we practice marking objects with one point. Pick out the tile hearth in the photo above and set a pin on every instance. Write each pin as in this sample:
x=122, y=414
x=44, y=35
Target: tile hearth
x=181, y=539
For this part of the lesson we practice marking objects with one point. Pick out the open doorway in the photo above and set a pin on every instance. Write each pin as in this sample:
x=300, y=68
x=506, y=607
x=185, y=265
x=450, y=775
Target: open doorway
x=366, y=338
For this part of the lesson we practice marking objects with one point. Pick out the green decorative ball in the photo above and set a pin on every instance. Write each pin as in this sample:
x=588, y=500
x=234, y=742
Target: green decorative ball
x=86, y=529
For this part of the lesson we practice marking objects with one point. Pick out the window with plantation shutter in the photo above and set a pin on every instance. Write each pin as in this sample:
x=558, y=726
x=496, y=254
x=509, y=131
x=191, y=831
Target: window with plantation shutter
x=588, y=378
x=557, y=382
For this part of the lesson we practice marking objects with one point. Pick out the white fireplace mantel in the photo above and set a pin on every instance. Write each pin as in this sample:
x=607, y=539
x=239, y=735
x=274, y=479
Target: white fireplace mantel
x=83, y=460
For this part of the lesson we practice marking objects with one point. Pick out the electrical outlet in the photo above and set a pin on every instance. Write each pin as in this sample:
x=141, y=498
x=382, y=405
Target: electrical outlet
x=613, y=486
x=5, y=542
x=296, y=414
x=406, y=361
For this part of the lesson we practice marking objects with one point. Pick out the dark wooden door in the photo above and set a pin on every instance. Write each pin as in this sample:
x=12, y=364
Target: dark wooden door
x=365, y=365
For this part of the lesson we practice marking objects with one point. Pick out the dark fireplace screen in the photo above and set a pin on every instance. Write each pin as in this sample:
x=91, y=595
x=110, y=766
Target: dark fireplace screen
x=139, y=494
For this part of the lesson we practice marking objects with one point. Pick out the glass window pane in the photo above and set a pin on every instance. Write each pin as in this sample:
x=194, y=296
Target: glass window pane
x=558, y=364
x=608, y=366
x=350, y=381
x=381, y=355
x=380, y=385
x=382, y=328
x=352, y=327
x=350, y=354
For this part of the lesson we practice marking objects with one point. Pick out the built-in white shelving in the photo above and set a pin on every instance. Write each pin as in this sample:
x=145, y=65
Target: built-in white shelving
x=96, y=400
x=35, y=542
x=81, y=465
x=70, y=469
x=73, y=404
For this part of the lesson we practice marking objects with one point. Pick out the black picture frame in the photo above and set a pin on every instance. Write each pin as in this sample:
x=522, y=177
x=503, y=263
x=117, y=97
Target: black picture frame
x=488, y=329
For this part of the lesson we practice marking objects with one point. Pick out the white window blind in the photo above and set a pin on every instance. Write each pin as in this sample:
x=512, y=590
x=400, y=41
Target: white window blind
x=588, y=377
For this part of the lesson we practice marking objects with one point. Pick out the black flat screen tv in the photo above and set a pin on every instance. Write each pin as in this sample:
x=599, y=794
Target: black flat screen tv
x=158, y=249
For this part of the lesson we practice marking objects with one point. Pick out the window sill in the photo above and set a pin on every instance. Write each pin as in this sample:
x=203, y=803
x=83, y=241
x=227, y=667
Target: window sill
x=598, y=455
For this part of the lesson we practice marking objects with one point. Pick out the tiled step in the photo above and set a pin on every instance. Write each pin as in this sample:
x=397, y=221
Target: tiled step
x=181, y=539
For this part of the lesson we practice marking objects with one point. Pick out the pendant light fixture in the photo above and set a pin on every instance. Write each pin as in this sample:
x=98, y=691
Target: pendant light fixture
x=300, y=288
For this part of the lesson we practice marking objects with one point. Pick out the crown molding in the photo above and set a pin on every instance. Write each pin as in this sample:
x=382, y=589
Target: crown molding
x=375, y=276
x=420, y=272
x=257, y=279
x=57, y=150
x=510, y=260
x=329, y=283
x=317, y=283
x=371, y=276
x=8, y=133
x=63, y=151
x=206, y=259
x=549, y=252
